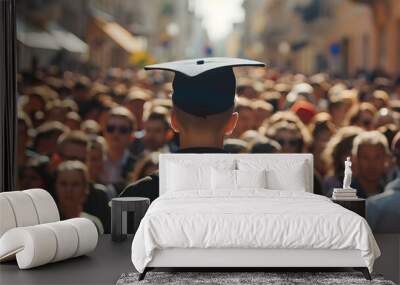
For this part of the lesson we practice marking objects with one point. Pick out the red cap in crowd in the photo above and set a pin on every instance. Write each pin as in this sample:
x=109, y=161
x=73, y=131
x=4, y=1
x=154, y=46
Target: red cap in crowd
x=305, y=110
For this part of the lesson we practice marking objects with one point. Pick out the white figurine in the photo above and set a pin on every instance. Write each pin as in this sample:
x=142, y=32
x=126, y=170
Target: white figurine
x=347, y=174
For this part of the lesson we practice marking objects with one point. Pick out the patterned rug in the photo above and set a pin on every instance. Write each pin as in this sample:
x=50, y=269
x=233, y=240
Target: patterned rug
x=230, y=278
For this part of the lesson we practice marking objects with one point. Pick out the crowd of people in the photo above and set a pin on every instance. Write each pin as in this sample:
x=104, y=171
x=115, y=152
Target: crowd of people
x=85, y=137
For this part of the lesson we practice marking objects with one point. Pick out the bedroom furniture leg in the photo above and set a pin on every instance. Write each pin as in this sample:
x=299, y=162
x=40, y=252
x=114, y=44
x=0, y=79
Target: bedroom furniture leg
x=143, y=274
x=364, y=271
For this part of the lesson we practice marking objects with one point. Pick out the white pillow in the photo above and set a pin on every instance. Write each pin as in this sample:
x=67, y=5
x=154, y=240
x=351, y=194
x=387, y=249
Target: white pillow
x=295, y=182
x=223, y=179
x=251, y=178
x=290, y=175
x=183, y=178
x=187, y=175
x=236, y=179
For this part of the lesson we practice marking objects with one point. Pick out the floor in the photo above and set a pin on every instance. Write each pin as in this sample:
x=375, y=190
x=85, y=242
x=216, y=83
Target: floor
x=106, y=264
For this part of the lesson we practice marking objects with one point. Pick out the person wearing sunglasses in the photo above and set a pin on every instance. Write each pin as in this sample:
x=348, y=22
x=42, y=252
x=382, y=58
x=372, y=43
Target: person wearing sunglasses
x=288, y=136
x=118, y=132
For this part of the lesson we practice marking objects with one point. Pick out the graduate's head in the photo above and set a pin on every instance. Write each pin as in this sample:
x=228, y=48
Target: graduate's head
x=212, y=125
x=203, y=98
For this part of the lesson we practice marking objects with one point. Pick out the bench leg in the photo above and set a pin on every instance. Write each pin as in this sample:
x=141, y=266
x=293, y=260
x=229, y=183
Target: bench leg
x=364, y=271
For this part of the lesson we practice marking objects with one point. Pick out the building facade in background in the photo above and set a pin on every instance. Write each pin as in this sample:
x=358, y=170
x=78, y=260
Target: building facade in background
x=342, y=36
x=106, y=33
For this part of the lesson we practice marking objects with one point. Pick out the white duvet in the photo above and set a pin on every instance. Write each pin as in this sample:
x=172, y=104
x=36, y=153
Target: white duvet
x=250, y=219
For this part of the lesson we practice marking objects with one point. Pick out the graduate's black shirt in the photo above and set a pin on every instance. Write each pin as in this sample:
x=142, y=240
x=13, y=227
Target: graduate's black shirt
x=148, y=186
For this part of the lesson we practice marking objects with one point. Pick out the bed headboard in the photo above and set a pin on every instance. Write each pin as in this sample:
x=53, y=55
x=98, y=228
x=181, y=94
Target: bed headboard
x=276, y=161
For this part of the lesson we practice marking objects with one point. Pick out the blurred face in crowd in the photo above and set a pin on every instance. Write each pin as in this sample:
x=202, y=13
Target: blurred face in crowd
x=290, y=140
x=378, y=103
x=371, y=153
x=81, y=95
x=155, y=134
x=260, y=115
x=73, y=151
x=35, y=104
x=136, y=107
x=246, y=121
x=73, y=124
x=103, y=118
x=95, y=162
x=319, y=145
x=248, y=92
x=118, y=133
x=93, y=114
x=47, y=146
x=384, y=117
x=321, y=140
x=366, y=120
x=71, y=189
x=30, y=178
x=56, y=114
x=338, y=114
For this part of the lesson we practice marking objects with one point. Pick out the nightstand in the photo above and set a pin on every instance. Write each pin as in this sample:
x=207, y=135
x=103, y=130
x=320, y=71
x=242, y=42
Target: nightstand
x=119, y=210
x=357, y=205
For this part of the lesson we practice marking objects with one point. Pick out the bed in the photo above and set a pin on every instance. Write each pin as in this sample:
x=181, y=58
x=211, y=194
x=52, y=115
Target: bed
x=246, y=211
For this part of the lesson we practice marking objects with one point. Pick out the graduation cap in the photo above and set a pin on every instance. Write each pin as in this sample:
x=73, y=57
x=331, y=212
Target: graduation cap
x=203, y=87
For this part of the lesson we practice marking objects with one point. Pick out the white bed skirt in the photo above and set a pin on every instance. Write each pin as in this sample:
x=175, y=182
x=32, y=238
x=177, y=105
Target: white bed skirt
x=193, y=257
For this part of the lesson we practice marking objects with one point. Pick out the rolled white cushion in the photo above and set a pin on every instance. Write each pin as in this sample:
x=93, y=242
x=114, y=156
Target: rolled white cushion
x=67, y=240
x=33, y=246
x=40, y=244
x=87, y=235
x=45, y=205
x=7, y=218
x=23, y=208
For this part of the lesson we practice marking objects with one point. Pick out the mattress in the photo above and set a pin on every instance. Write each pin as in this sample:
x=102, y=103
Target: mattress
x=251, y=219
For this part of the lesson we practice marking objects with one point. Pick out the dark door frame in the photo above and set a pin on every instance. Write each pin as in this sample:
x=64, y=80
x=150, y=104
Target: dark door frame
x=8, y=96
